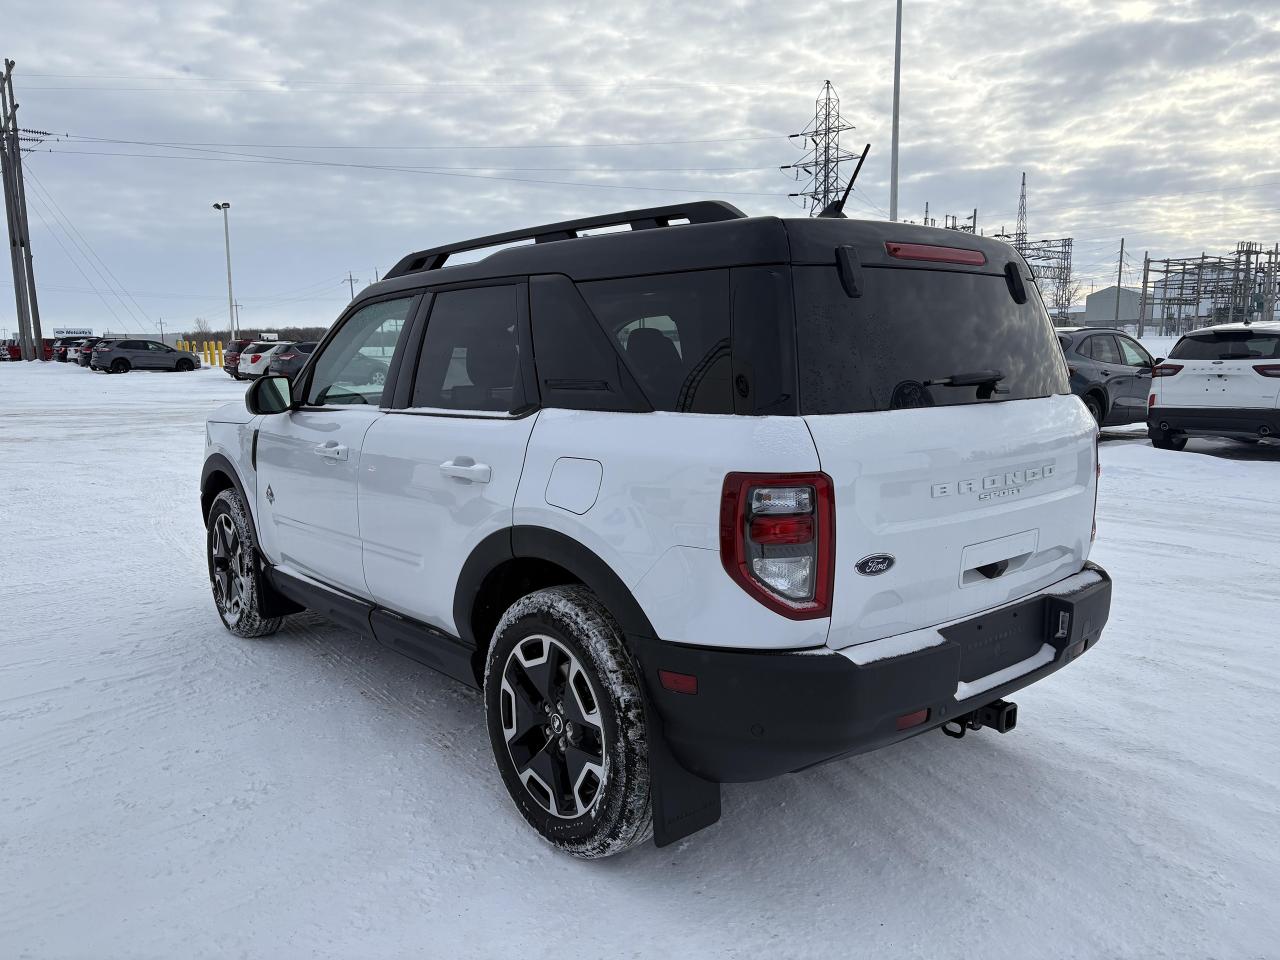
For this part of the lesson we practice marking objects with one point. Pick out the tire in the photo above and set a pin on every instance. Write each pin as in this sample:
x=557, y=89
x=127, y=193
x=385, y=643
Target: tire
x=557, y=673
x=232, y=550
x=1094, y=403
x=378, y=377
x=1162, y=440
x=185, y=366
x=120, y=366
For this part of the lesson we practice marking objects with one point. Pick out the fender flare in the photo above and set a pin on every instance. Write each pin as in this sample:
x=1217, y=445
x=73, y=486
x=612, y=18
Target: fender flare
x=218, y=463
x=543, y=543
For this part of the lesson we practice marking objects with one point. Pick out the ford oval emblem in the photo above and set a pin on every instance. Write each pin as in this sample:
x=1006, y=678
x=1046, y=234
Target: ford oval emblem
x=874, y=565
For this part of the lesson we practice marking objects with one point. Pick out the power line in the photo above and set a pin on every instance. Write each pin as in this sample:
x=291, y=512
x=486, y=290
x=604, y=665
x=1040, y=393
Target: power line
x=485, y=146
x=297, y=161
x=75, y=263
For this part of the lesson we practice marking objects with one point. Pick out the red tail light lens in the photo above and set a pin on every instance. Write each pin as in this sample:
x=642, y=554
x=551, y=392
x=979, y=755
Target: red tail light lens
x=678, y=682
x=1268, y=369
x=777, y=540
x=1166, y=370
x=1151, y=401
x=286, y=356
x=934, y=254
x=255, y=358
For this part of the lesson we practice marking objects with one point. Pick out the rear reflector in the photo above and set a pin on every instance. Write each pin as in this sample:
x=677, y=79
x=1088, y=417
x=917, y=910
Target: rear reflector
x=768, y=529
x=1166, y=370
x=1268, y=369
x=909, y=720
x=934, y=254
x=678, y=682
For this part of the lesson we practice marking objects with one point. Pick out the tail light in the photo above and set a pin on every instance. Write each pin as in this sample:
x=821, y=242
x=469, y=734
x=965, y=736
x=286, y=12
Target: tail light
x=255, y=358
x=1151, y=401
x=1097, y=477
x=103, y=349
x=286, y=356
x=777, y=540
x=1166, y=370
x=1268, y=369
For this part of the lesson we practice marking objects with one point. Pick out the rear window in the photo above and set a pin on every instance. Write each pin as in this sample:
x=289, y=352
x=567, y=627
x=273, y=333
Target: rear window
x=259, y=348
x=304, y=347
x=893, y=347
x=1228, y=345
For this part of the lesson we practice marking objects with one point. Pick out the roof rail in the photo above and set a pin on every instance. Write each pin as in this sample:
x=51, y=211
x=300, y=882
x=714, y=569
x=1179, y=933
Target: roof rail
x=700, y=211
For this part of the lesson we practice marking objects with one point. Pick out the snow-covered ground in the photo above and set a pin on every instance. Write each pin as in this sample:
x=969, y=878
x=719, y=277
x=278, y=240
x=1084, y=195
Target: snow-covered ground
x=167, y=790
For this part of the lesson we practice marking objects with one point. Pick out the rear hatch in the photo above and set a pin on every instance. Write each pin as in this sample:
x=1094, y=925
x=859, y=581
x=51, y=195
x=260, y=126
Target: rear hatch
x=953, y=494
x=1233, y=367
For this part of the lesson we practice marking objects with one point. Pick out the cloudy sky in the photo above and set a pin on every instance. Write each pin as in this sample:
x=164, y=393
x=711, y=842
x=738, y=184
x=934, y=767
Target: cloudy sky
x=345, y=135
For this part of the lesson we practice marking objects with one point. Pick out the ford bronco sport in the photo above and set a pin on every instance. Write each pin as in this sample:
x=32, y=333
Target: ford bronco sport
x=707, y=500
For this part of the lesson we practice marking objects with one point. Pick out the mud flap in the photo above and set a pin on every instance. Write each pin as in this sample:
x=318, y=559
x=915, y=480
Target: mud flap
x=683, y=803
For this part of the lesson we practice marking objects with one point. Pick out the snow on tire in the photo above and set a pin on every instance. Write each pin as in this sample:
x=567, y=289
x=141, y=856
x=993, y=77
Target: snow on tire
x=566, y=722
x=232, y=550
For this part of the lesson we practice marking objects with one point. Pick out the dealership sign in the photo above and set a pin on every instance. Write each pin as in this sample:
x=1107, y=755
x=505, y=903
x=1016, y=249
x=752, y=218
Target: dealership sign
x=73, y=331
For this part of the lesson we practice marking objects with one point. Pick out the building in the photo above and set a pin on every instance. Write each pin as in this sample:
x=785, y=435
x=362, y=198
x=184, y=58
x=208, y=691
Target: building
x=1100, y=307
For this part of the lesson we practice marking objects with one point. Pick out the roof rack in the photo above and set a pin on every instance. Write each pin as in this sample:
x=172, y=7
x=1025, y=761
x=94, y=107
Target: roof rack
x=700, y=211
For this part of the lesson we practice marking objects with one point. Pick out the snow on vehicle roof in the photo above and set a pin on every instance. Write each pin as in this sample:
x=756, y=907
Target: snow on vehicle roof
x=1266, y=326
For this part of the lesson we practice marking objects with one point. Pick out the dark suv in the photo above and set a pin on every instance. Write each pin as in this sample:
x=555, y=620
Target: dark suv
x=1110, y=372
x=289, y=361
x=231, y=358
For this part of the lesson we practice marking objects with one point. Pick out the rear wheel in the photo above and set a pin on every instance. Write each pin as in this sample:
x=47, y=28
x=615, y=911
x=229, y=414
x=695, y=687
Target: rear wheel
x=566, y=723
x=232, y=552
x=120, y=366
x=185, y=365
x=1164, y=440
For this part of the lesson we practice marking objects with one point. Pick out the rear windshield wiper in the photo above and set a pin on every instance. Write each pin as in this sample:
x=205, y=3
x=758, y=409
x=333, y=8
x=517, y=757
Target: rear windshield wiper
x=984, y=380
x=974, y=379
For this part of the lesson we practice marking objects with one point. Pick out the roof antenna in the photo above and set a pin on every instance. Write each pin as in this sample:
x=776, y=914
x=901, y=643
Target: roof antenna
x=836, y=207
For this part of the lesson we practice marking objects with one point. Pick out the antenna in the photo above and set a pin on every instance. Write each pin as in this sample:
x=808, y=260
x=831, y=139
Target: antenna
x=836, y=207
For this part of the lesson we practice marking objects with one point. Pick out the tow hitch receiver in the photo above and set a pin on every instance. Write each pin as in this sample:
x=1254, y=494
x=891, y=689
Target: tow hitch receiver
x=1001, y=716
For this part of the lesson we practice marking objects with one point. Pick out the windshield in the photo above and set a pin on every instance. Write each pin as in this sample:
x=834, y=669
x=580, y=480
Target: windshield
x=1228, y=345
x=920, y=338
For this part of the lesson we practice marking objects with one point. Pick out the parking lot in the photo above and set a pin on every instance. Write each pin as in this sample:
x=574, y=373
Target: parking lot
x=181, y=792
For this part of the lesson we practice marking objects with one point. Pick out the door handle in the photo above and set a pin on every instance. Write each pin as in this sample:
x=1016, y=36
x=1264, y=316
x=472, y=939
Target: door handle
x=331, y=450
x=464, y=468
x=1106, y=373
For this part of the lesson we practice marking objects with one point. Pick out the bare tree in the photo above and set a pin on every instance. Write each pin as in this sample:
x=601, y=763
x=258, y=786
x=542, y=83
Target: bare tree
x=202, y=326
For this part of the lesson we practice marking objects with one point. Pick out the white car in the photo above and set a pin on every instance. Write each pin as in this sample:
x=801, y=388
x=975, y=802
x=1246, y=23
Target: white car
x=695, y=502
x=256, y=357
x=1221, y=381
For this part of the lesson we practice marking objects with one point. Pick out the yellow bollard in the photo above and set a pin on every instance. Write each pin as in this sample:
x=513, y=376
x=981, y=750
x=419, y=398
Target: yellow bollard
x=208, y=354
x=218, y=355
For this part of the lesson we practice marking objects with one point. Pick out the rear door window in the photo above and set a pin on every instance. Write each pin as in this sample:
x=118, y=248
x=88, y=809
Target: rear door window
x=1228, y=345
x=673, y=330
x=1103, y=349
x=911, y=333
x=470, y=358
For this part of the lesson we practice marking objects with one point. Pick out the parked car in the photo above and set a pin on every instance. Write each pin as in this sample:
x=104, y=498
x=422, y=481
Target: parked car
x=85, y=352
x=691, y=504
x=60, y=348
x=121, y=356
x=287, y=363
x=1110, y=372
x=1221, y=381
x=231, y=357
x=256, y=357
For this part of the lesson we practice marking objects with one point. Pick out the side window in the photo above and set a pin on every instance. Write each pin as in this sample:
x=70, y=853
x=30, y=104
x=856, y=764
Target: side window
x=470, y=357
x=353, y=366
x=1134, y=355
x=156, y=347
x=1103, y=349
x=674, y=333
x=578, y=367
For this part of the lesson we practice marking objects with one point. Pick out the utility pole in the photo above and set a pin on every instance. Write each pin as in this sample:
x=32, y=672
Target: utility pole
x=821, y=163
x=15, y=197
x=236, y=332
x=231, y=300
x=351, y=282
x=1142, y=299
x=897, y=91
x=160, y=321
x=1119, y=271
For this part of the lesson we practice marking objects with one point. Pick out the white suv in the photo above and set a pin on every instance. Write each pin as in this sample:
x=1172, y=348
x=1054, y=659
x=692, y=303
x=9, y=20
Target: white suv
x=711, y=499
x=1221, y=381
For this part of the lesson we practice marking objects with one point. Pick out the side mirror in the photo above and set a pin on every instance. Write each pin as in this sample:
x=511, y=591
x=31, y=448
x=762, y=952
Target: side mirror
x=269, y=395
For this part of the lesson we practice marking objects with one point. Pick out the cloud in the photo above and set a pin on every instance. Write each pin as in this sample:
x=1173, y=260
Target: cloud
x=312, y=118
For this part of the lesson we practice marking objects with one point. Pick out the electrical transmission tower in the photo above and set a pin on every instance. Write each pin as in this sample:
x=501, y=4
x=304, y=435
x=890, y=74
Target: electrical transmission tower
x=12, y=138
x=821, y=164
x=1020, y=231
x=1050, y=261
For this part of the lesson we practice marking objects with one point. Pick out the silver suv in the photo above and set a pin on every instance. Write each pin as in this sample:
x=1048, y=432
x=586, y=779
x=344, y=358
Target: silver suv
x=121, y=356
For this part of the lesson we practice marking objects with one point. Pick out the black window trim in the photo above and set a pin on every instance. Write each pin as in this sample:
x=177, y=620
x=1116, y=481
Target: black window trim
x=303, y=379
x=407, y=372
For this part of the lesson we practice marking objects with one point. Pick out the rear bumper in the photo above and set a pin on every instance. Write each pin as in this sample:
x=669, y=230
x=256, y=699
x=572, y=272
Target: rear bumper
x=1215, y=421
x=757, y=715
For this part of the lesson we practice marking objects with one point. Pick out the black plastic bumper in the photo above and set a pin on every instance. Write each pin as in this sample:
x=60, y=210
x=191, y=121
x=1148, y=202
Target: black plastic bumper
x=1214, y=421
x=757, y=715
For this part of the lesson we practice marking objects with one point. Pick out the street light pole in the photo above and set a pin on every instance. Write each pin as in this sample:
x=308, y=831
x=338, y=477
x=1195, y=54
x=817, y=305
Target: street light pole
x=897, y=89
x=231, y=300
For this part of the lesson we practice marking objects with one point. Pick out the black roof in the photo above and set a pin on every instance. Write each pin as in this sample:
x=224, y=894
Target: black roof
x=716, y=235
